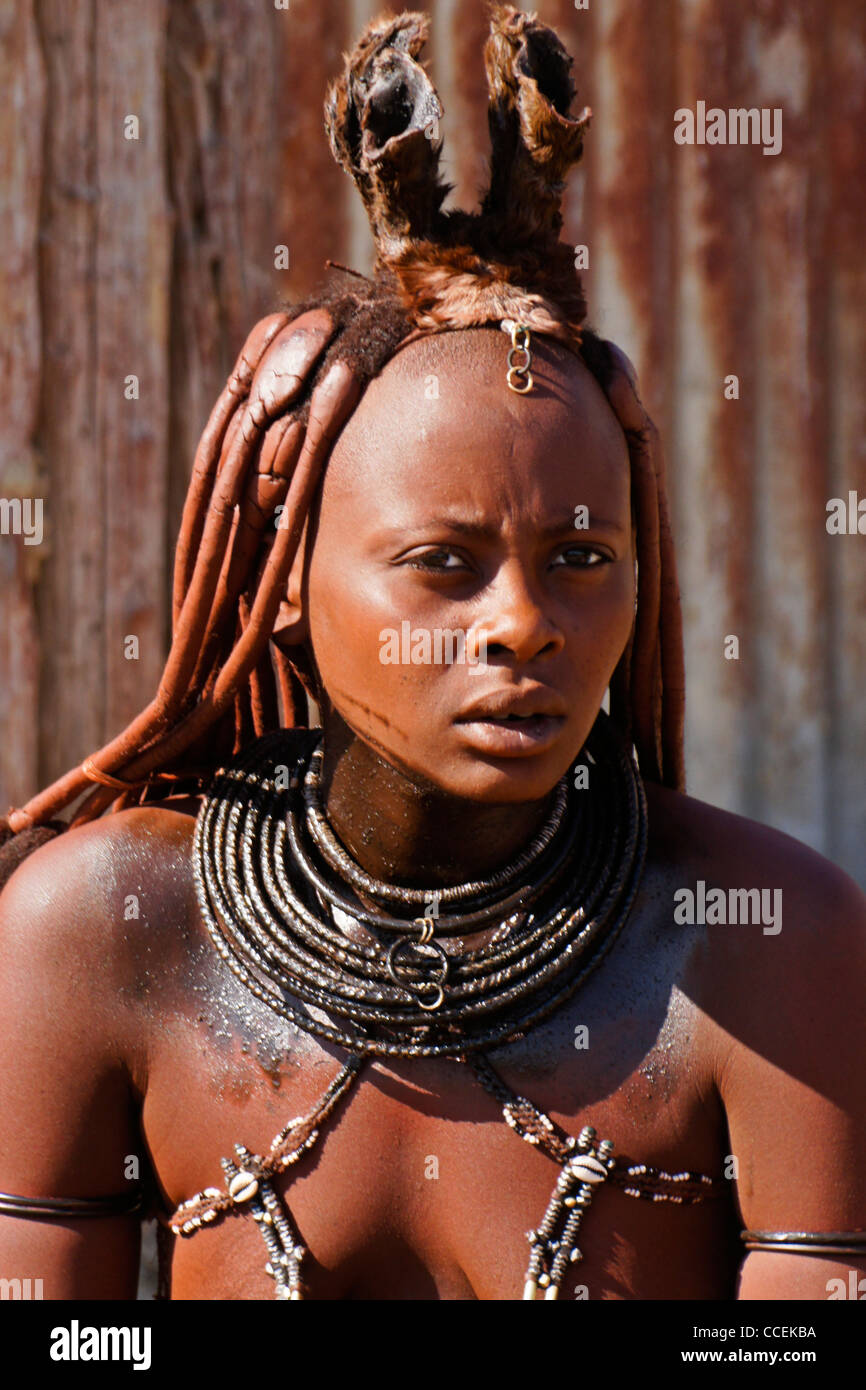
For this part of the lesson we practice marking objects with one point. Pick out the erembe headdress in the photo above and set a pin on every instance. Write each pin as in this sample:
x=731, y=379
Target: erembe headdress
x=274, y=883
x=457, y=269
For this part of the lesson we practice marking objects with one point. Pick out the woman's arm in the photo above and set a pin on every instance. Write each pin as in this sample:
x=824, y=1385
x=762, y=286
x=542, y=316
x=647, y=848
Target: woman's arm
x=68, y=1105
x=794, y=1079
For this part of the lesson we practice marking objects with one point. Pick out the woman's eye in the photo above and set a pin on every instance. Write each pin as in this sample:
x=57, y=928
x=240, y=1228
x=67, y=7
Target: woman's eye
x=581, y=557
x=439, y=560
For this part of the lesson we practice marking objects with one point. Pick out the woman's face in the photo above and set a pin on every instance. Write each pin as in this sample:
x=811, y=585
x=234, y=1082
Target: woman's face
x=462, y=623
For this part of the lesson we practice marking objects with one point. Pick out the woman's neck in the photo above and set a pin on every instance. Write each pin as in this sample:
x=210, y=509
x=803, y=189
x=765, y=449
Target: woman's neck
x=410, y=834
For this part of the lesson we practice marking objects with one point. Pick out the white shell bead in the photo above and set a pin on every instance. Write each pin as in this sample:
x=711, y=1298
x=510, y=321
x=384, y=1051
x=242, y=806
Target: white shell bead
x=243, y=1186
x=588, y=1169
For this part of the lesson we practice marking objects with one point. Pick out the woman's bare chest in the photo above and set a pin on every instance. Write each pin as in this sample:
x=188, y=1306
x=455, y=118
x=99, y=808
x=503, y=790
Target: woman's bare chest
x=415, y=1186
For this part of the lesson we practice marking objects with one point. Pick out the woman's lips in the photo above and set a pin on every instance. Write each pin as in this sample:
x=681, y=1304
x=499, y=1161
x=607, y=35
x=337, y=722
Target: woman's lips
x=512, y=737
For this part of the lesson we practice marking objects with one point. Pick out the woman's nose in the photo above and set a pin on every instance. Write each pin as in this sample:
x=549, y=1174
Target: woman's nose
x=516, y=619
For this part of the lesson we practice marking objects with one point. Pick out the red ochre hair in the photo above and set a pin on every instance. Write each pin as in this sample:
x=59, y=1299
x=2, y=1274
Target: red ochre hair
x=300, y=375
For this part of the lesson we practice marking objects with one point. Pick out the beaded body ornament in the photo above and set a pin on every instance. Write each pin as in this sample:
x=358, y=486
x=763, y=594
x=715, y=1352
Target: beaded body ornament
x=273, y=882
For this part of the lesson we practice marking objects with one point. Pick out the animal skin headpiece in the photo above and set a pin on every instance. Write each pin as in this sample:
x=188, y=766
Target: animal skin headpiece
x=457, y=269
x=299, y=377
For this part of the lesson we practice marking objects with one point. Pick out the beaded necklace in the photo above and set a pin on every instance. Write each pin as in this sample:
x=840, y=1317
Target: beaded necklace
x=266, y=860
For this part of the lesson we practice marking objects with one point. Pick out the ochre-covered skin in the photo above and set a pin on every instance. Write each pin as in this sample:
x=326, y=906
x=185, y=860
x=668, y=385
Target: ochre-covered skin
x=703, y=1042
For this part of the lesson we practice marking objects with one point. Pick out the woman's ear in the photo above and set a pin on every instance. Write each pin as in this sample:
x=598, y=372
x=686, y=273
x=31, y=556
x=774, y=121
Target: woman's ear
x=291, y=628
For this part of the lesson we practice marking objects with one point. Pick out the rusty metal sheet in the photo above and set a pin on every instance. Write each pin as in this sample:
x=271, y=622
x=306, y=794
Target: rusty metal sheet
x=21, y=130
x=72, y=678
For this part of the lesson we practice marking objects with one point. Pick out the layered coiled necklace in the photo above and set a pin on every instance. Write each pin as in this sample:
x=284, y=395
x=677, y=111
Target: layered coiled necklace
x=277, y=890
x=272, y=878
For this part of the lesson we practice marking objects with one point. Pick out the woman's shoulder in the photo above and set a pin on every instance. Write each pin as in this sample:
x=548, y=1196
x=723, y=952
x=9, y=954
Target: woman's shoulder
x=779, y=925
x=87, y=866
x=736, y=851
x=97, y=889
x=100, y=893
x=777, y=977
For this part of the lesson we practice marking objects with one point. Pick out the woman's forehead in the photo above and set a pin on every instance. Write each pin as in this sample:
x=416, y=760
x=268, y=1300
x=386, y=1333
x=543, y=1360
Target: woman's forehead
x=444, y=435
x=451, y=389
x=478, y=348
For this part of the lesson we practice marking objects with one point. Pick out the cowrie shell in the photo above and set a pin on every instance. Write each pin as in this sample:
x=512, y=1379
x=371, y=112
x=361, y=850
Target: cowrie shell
x=243, y=1186
x=588, y=1169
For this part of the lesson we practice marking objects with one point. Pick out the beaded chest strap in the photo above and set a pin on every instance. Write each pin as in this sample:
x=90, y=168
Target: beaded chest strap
x=585, y=1165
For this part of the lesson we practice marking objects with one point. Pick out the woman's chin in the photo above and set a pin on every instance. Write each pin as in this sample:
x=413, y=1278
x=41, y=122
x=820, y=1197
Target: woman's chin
x=497, y=780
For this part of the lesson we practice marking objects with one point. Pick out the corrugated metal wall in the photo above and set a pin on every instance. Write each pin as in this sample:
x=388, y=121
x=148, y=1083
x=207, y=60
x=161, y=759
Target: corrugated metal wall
x=152, y=257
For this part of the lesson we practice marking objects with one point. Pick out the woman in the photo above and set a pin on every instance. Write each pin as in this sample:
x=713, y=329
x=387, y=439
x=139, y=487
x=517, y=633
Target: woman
x=308, y=987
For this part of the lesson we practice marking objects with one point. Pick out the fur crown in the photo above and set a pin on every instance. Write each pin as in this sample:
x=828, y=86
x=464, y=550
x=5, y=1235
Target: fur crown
x=457, y=269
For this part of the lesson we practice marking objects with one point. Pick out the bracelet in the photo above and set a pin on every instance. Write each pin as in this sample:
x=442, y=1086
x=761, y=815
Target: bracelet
x=123, y=1204
x=807, y=1242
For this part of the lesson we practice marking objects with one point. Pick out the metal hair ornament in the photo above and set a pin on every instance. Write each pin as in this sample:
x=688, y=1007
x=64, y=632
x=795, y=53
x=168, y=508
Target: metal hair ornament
x=519, y=376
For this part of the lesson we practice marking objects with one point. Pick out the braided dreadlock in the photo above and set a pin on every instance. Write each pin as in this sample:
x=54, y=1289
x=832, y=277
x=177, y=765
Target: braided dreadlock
x=300, y=375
